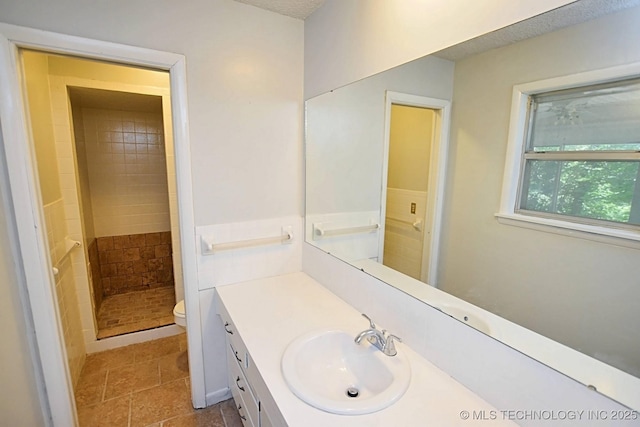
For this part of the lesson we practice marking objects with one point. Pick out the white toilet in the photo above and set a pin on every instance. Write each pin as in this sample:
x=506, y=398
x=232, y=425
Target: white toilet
x=179, y=314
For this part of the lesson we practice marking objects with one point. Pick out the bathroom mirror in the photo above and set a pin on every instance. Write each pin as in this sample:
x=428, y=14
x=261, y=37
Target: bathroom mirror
x=424, y=220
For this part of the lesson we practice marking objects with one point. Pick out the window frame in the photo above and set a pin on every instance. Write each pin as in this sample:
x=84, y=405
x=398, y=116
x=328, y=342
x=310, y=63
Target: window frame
x=509, y=212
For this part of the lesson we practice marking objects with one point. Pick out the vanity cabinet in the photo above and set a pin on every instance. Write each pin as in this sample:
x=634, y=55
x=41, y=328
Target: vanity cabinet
x=244, y=379
x=264, y=316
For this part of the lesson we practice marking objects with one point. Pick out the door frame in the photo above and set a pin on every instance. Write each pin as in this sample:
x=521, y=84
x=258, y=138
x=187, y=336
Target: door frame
x=437, y=176
x=34, y=264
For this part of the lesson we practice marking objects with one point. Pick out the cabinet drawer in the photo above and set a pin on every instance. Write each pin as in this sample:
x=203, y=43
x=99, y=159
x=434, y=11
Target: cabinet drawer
x=242, y=411
x=241, y=356
x=241, y=391
x=265, y=420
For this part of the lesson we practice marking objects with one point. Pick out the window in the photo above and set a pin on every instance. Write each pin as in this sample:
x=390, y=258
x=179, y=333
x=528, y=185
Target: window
x=574, y=157
x=582, y=154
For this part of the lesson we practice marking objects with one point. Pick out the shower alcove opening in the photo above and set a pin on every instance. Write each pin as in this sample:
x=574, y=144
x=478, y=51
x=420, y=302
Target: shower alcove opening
x=123, y=182
x=125, y=208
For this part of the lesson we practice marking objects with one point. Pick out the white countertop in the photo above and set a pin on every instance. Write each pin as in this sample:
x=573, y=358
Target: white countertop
x=270, y=313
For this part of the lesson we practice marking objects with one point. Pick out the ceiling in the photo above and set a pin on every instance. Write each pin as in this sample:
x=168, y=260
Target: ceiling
x=298, y=9
x=114, y=100
x=573, y=13
x=570, y=14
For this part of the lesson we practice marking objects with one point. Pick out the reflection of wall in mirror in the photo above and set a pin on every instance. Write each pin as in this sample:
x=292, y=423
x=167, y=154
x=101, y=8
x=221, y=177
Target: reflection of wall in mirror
x=345, y=146
x=581, y=293
x=345, y=135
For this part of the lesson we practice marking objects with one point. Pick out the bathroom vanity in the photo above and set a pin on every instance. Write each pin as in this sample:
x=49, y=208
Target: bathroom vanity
x=263, y=317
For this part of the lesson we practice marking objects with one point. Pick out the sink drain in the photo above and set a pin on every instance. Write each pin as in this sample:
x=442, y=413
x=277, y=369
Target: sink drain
x=353, y=392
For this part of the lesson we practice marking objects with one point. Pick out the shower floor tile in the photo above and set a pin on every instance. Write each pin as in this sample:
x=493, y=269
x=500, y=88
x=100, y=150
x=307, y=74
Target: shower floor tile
x=136, y=311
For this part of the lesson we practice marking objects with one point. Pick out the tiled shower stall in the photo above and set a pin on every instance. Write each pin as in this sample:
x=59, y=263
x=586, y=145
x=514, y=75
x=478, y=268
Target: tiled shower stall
x=123, y=179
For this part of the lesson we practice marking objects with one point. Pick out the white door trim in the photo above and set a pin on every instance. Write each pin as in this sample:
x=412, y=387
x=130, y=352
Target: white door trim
x=27, y=209
x=437, y=173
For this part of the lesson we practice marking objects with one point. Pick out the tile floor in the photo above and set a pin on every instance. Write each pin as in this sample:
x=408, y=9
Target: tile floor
x=145, y=385
x=136, y=311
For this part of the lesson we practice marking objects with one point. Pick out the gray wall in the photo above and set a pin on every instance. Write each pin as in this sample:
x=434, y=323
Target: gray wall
x=579, y=292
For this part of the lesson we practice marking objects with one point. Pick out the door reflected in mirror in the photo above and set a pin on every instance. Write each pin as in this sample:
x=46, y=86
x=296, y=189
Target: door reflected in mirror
x=410, y=137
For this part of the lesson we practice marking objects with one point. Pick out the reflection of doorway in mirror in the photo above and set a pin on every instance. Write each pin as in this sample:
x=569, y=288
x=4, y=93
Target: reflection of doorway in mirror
x=410, y=139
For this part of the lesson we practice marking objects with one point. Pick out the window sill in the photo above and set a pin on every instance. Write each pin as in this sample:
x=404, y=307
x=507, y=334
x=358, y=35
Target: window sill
x=610, y=236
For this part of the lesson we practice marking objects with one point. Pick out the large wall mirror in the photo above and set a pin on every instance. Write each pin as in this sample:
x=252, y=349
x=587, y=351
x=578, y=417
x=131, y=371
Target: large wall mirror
x=404, y=173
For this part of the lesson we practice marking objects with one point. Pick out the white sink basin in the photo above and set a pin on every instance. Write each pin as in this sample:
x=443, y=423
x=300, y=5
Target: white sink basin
x=322, y=366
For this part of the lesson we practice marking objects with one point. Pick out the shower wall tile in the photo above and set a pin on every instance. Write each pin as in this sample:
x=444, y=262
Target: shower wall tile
x=125, y=154
x=65, y=286
x=96, y=274
x=72, y=184
x=135, y=262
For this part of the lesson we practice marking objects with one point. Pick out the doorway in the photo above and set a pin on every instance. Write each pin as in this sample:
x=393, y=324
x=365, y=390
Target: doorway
x=411, y=135
x=103, y=143
x=415, y=152
x=33, y=260
x=121, y=168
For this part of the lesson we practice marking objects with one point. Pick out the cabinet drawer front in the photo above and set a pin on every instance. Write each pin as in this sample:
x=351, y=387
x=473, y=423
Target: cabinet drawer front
x=240, y=387
x=242, y=410
x=240, y=351
x=265, y=420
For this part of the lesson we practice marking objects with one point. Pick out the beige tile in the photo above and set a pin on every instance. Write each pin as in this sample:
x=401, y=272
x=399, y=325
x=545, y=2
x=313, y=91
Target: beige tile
x=105, y=243
x=156, y=348
x=108, y=359
x=137, y=240
x=230, y=413
x=136, y=311
x=121, y=242
x=153, y=239
x=174, y=366
x=207, y=417
x=131, y=378
x=112, y=413
x=90, y=387
x=182, y=340
x=115, y=330
x=160, y=403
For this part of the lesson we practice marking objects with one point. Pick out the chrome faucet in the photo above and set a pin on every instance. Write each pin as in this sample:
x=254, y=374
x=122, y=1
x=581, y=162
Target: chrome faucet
x=379, y=339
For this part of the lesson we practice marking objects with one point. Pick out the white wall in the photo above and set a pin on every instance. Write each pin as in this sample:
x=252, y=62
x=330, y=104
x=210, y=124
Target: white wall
x=244, y=88
x=347, y=40
x=244, y=74
x=579, y=292
x=227, y=267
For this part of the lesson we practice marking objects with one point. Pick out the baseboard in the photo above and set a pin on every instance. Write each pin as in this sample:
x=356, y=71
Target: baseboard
x=218, y=396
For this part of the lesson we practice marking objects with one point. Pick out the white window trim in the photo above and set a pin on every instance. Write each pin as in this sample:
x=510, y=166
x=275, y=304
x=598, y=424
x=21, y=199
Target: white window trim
x=514, y=158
